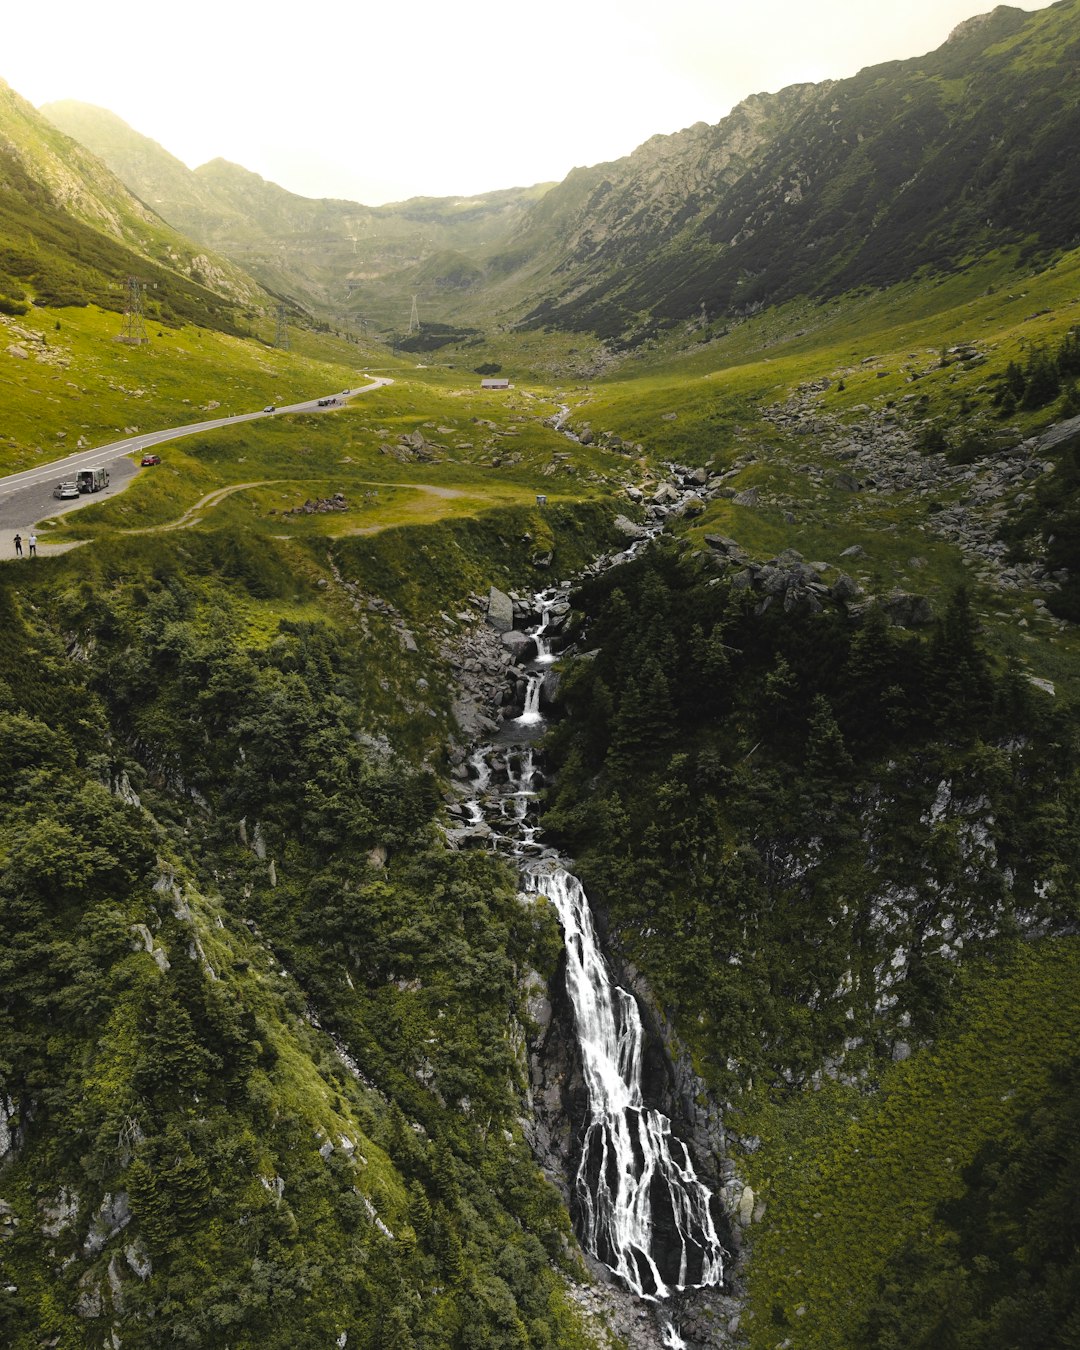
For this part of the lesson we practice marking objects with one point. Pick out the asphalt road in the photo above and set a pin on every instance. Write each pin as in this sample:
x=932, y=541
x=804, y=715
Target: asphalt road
x=26, y=497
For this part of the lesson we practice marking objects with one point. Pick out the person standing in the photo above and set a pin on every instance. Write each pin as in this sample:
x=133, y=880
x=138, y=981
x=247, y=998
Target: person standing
x=18, y=546
x=31, y=539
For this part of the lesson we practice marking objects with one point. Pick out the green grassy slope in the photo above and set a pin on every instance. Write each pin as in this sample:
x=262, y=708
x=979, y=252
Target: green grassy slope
x=263, y=1080
x=849, y=1178
x=73, y=380
x=42, y=168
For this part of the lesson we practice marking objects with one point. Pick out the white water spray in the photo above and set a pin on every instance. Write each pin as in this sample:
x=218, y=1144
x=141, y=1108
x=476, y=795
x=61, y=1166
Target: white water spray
x=642, y=1209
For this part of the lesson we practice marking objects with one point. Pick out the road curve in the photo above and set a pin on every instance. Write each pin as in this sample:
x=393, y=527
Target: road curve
x=21, y=498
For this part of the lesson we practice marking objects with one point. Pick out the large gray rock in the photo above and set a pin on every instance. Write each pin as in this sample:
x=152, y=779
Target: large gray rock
x=908, y=611
x=500, y=611
x=520, y=646
x=113, y=1215
x=720, y=543
x=8, y=1127
x=549, y=688
x=471, y=719
x=629, y=529
x=1055, y=435
x=845, y=588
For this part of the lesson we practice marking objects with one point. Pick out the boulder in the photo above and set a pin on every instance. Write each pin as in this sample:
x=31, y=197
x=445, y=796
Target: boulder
x=907, y=610
x=722, y=544
x=520, y=646
x=500, y=610
x=549, y=688
x=629, y=529
x=845, y=588
x=470, y=719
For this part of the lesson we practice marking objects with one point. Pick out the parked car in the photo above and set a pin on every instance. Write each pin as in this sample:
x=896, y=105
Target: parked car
x=270, y=407
x=66, y=491
x=150, y=459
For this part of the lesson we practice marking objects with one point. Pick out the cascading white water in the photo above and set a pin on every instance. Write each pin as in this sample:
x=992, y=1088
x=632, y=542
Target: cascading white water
x=544, y=654
x=531, y=714
x=642, y=1209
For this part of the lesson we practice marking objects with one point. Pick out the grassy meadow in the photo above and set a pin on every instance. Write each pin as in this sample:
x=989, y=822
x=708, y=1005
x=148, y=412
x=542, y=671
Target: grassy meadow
x=846, y=1176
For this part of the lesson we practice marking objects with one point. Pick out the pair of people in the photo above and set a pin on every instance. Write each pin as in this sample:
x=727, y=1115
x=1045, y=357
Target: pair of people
x=31, y=543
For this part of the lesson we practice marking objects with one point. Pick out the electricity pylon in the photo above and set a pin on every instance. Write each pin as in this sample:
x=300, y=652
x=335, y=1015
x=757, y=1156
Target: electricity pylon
x=134, y=330
x=281, y=337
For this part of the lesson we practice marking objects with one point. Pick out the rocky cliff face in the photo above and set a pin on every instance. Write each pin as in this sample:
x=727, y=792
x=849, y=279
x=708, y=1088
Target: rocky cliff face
x=821, y=188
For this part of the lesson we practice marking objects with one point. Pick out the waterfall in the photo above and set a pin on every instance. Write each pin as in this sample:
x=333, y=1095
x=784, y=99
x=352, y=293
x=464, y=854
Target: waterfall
x=531, y=714
x=641, y=1208
x=544, y=654
x=643, y=1211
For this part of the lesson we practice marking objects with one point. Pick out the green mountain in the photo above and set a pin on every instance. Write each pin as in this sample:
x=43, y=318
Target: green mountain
x=337, y=258
x=816, y=190
x=71, y=232
x=80, y=184
x=286, y=1058
x=822, y=189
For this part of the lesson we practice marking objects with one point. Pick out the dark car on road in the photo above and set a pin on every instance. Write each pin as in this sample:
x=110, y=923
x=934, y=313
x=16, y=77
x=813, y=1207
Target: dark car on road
x=150, y=459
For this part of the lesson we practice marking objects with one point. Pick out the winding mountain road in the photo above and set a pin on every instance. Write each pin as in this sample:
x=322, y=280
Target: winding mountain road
x=26, y=496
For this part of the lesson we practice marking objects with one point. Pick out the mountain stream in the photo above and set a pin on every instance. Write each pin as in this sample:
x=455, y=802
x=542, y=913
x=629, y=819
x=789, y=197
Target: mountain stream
x=639, y=1206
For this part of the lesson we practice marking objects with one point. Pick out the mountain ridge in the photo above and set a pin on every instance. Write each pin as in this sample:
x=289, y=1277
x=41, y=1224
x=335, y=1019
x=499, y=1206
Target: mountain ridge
x=81, y=184
x=323, y=251
x=814, y=189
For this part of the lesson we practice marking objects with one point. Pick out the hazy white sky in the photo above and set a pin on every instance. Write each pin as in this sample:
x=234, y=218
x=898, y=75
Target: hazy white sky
x=382, y=102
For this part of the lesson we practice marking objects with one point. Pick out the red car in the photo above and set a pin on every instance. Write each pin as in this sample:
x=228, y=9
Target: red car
x=151, y=459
